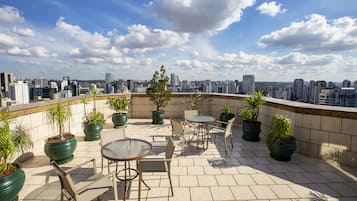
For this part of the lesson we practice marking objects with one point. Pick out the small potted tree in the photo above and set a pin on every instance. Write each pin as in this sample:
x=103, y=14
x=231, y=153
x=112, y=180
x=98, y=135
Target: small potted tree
x=60, y=148
x=12, y=177
x=251, y=126
x=226, y=114
x=280, y=142
x=159, y=94
x=120, y=105
x=93, y=123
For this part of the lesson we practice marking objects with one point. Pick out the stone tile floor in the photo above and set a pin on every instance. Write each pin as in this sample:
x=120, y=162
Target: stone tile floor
x=246, y=173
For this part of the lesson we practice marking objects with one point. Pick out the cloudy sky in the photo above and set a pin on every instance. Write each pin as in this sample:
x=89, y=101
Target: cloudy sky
x=196, y=39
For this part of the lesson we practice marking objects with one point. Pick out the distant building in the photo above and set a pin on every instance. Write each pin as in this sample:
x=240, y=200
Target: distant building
x=6, y=80
x=19, y=92
x=346, y=83
x=174, y=80
x=298, y=90
x=40, y=82
x=346, y=97
x=327, y=97
x=109, y=77
x=355, y=84
x=248, y=84
x=311, y=91
x=318, y=86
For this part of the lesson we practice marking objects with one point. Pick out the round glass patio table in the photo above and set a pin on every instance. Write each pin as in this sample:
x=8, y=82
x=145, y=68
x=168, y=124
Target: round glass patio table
x=202, y=130
x=126, y=150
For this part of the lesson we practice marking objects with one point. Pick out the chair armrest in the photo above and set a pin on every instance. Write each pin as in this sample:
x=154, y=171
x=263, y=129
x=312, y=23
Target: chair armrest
x=81, y=164
x=221, y=122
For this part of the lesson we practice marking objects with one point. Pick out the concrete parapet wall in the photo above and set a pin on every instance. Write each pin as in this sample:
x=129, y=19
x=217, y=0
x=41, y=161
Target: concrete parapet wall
x=325, y=132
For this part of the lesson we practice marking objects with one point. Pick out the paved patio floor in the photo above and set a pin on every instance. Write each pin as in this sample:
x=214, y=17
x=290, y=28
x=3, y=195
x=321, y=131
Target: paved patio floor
x=246, y=173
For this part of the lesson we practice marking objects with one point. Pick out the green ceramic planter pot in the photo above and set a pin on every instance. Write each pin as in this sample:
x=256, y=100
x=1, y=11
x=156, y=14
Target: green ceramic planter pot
x=61, y=152
x=11, y=185
x=225, y=117
x=92, y=131
x=158, y=117
x=119, y=119
x=282, y=150
x=251, y=131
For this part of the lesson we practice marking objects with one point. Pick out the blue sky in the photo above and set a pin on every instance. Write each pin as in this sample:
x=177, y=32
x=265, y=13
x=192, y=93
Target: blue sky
x=196, y=39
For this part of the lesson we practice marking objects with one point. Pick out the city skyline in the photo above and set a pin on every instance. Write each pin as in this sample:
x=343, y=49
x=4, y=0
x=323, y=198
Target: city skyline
x=220, y=40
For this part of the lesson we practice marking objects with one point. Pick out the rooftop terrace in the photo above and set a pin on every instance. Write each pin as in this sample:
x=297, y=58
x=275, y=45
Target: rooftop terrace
x=246, y=173
x=324, y=167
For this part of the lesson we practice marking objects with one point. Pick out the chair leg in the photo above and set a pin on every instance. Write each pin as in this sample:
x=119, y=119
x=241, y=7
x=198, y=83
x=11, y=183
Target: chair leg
x=102, y=164
x=172, y=190
x=225, y=145
x=62, y=195
x=231, y=140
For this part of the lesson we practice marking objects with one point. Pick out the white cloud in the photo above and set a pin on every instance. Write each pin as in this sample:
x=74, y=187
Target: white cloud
x=95, y=40
x=40, y=51
x=271, y=8
x=9, y=14
x=315, y=34
x=23, y=32
x=195, y=16
x=141, y=37
x=9, y=41
x=16, y=51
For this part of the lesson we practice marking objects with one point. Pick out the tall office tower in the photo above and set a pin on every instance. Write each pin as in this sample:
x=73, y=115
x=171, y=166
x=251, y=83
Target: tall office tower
x=355, y=84
x=174, y=80
x=248, y=84
x=109, y=77
x=319, y=85
x=40, y=82
x=331, y=85
x=131, y=85
x=298, y=90
x=346, y=97
x=6, y=80
x=53, y=85
x=311, y=91
x=327, y=97
x=346, y=83
x=19, y=92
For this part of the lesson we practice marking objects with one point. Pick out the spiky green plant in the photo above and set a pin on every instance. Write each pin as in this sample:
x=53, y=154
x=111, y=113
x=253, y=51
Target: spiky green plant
x=251, y=112
x=11, y=141
x=58, y=114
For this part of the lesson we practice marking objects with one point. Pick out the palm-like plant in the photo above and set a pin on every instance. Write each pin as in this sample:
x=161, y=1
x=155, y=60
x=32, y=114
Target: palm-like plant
x=251, y=112
x=11, y=141
x=58, y=115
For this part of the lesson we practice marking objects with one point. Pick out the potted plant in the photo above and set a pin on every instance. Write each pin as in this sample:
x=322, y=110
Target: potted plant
x=93, y=123
x=251, y=126
x=120, y=105
x=159, y=94
x=279, y=140
x=60, y=148
x=12, y=177
x=226, y=114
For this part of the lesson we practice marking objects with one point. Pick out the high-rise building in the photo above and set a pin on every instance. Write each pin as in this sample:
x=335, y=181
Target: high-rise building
x=174, y=80
x=355, y=84
x=298, y=90
x=19, y=92
x=311, y=91
x=248, y=84
x=346, y=83
x=346, y=97
x=6, y=80
x=327, y=97
x=318, y=86
x=40, y=83
x=109, y=77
